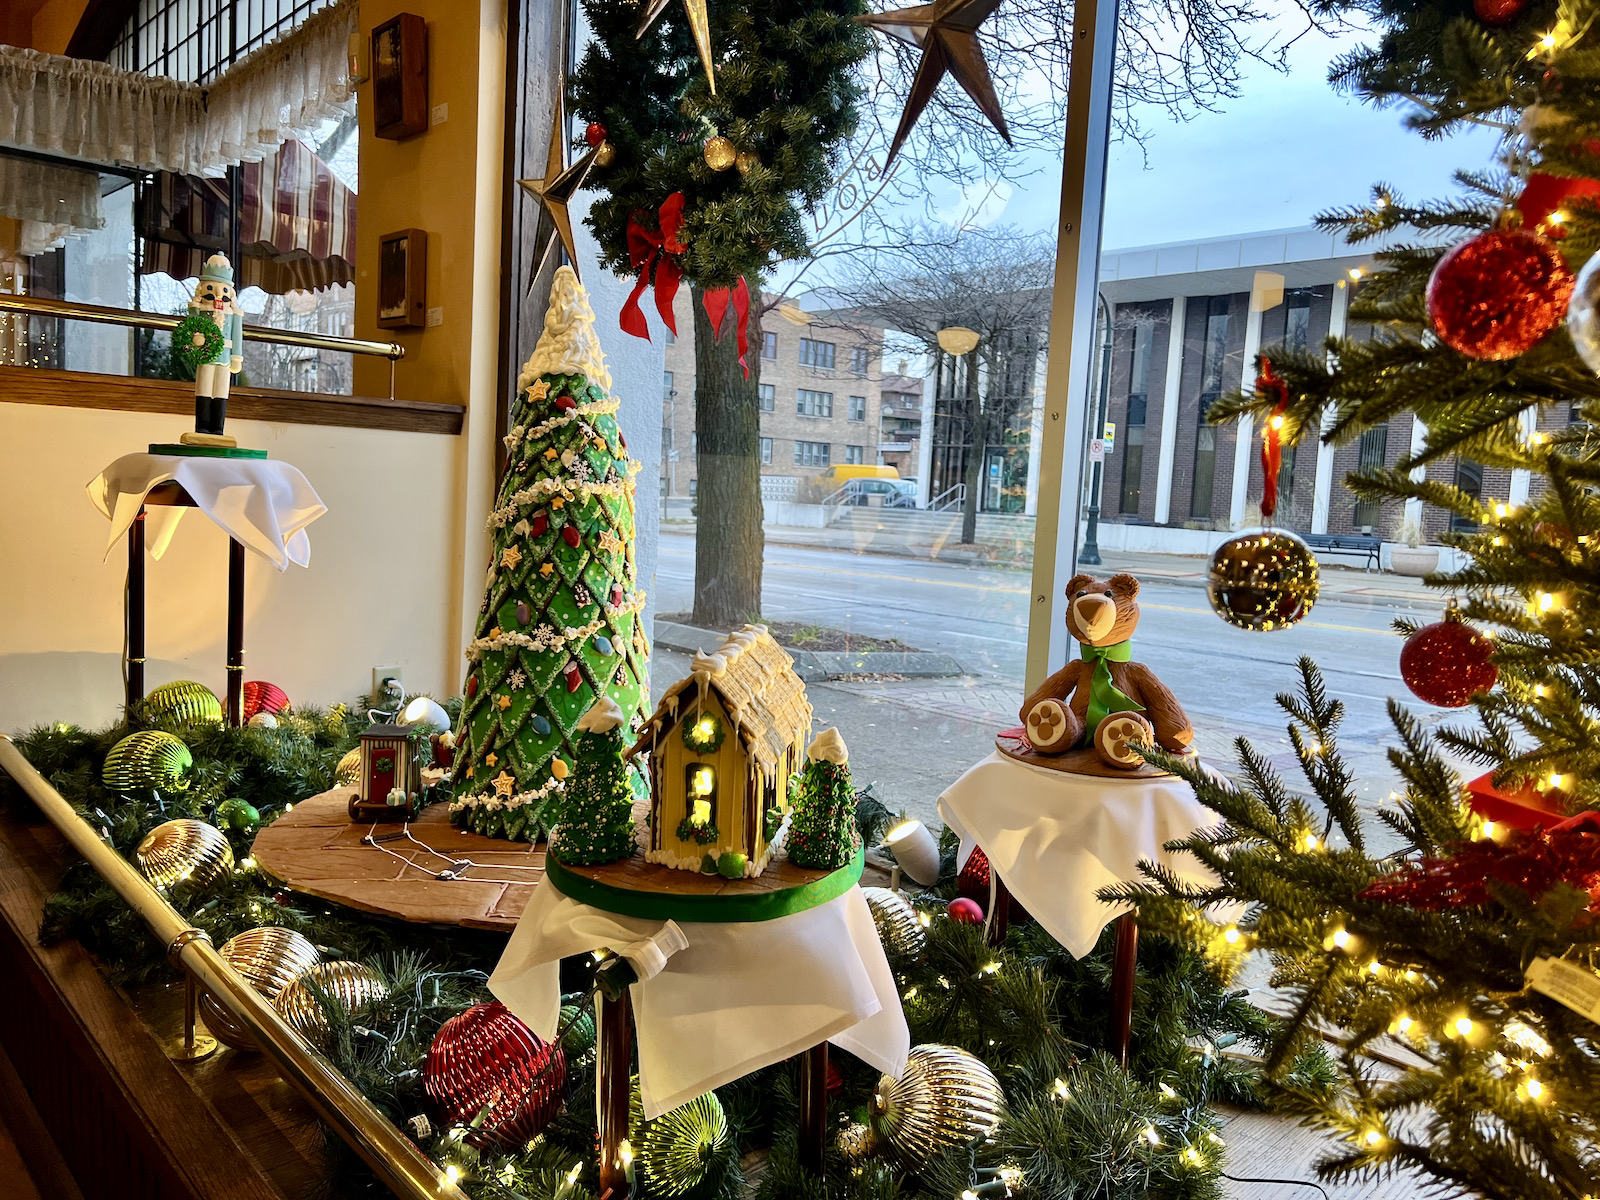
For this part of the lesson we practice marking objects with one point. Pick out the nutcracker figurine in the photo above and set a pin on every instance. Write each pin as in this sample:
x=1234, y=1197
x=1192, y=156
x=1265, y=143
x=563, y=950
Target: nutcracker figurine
x=211, y=339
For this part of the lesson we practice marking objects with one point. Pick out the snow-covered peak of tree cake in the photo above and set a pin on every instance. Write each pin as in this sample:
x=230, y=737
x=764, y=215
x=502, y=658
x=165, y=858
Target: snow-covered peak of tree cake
x=568, y=345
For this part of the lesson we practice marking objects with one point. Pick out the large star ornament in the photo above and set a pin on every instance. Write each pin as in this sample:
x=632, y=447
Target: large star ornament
x=699, y=25
x=555, y=191
x=946, y=32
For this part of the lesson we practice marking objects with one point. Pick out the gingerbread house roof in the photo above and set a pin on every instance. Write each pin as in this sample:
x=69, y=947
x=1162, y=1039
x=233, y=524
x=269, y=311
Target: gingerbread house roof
x=755, y=680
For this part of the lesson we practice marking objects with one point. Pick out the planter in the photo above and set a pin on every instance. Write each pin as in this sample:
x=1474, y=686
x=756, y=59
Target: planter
x=1414, y=560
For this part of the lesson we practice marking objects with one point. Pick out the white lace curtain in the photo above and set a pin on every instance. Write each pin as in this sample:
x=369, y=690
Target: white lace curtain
x=99, y=114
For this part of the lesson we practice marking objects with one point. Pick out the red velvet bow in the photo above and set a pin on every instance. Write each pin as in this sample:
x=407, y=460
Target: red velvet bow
x=716, y=306
x=1271, y=438
x=650, y=250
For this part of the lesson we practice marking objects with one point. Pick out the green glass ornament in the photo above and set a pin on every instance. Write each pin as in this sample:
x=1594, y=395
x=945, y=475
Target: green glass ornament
x=149, y=759
x=238, y=815
x=577, y=1026
x=687, y=1146
x=184, y=701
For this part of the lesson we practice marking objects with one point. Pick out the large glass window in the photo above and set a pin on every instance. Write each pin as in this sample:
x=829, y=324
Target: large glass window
x=854, y=454
x=811, y=454
x=816, y=354
x=1140, y=339
x=1372, y=457
x=1469, y=478
x=1213, y=354
x=860, y=356
x=858, y=408
x=813, y=404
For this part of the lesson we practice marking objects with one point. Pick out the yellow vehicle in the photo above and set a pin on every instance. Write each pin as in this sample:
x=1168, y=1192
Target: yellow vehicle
x=842, y=472
x=857, y=483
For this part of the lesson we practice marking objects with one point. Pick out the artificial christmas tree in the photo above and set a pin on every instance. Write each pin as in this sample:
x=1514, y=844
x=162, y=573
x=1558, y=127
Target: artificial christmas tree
x=597, y=806
x=823, y=833
x=558, y=629
x=1463, y=962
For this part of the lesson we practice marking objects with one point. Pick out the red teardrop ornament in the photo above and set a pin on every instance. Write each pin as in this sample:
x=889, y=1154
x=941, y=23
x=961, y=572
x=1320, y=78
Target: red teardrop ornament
x=569, y=535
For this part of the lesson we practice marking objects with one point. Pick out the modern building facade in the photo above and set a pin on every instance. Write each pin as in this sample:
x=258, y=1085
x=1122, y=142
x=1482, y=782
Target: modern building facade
x=825, y=400
x=1188, y=320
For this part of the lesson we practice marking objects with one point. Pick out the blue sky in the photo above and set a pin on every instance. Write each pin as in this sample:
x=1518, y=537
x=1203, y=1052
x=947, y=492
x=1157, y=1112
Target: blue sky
x=1287, y=148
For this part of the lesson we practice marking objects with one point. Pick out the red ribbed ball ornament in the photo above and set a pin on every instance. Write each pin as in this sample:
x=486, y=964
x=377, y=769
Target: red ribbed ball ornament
x=487, y=1057
x=968, y=912
x=1499, y=12
x=594, y=133
x=1448, y=663
x=263, y=697
x=1495, y=296
x=973, y=883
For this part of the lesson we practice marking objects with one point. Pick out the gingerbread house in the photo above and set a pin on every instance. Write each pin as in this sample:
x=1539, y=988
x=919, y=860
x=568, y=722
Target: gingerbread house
x=722, y=745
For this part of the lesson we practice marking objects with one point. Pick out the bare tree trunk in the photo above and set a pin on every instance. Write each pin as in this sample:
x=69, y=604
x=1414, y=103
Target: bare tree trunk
x=727, y=426
x=979, y=424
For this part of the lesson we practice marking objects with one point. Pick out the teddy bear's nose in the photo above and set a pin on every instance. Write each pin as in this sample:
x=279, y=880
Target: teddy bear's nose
x=1095, y=615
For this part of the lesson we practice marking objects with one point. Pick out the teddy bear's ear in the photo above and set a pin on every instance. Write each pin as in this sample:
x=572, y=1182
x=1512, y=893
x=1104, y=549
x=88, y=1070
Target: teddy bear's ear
x=1125, y=585
x=1080, y=580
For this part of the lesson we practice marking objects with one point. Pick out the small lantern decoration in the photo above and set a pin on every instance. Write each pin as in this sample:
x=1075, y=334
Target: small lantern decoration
x=389, y=787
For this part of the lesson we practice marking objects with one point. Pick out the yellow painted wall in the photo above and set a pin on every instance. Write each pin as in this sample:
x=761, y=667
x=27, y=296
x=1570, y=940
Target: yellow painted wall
x=396, y=566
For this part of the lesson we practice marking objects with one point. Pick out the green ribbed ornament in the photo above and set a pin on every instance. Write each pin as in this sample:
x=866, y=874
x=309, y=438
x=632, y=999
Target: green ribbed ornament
x=145, y=760
x=687, y=1147
x=184, y=701
x=577, y=1031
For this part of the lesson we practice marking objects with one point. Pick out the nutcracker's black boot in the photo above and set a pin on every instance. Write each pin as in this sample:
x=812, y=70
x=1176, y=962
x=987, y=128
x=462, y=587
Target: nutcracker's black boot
x=209, y=414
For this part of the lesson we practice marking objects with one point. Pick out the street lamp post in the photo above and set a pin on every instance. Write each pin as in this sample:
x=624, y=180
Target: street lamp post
x=1091, y=544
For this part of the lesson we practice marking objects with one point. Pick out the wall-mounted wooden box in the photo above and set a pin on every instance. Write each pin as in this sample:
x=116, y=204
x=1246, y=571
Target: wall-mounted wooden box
x=403, y=279
x=400, y=77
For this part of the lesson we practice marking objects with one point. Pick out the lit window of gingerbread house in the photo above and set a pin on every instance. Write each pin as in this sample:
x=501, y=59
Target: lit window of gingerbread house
x=722, y=745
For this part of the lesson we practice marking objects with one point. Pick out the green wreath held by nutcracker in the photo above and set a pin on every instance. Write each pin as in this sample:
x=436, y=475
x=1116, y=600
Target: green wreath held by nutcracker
x=196, y=353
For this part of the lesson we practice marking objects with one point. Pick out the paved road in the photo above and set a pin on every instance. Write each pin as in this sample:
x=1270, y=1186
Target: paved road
x=979, y=615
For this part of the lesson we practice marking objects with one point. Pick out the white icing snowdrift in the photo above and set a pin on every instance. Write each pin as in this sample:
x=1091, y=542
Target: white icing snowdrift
x=568, y=345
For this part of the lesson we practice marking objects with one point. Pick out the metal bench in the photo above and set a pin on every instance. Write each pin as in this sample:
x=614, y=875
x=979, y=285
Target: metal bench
x=1364, y=544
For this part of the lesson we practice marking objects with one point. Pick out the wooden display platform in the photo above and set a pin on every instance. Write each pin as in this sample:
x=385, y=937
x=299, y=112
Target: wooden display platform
x=315, y=849
x=1082, y=761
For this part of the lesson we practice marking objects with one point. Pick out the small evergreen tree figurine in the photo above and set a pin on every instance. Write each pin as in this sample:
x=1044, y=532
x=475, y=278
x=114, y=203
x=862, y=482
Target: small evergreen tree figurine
x=597, y=808
x=823, y=834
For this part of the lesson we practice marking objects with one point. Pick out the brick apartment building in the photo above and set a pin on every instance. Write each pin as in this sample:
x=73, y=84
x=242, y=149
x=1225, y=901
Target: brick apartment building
x=1230, y=297
x=825, y=400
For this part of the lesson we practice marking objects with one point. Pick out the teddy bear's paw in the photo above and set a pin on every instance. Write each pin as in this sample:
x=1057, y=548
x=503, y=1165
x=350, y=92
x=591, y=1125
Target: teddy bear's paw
x=1052, y=727
x=1117, y=734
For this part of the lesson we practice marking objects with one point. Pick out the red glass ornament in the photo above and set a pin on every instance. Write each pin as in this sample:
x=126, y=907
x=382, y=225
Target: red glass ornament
x=487, y=1057
x=1544, y=194
x=973, y=883
x=260, y=696
x=594, y=133
x=565, y=402
x=966, y=911
x=541, y=522
x=569, y=535
x=1495, y=296
x=1499, y=12
x=1448, y=663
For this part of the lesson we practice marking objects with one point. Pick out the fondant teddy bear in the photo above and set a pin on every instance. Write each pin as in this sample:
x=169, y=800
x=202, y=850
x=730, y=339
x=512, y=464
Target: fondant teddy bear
x=1103, y=698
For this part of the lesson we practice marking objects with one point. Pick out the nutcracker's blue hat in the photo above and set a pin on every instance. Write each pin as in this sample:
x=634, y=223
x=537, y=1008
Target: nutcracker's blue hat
x=217, y=269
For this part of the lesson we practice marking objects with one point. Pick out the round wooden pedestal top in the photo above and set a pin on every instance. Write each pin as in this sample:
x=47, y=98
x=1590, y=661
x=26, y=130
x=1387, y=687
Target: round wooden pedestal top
x=1081, y=761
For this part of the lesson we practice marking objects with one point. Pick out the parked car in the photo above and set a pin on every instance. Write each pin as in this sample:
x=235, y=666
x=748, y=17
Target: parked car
x=886, y=493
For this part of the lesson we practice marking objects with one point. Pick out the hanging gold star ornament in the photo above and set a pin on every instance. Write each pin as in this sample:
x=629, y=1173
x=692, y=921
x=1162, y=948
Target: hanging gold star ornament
x=555, y=191
x=946, y=32
x=694, y=12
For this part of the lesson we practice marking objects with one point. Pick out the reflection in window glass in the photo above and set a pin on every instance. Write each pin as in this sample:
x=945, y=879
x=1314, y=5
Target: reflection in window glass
x=1469, y=478
x=1139, y=350
x=1214, y=353
x=1374, y=452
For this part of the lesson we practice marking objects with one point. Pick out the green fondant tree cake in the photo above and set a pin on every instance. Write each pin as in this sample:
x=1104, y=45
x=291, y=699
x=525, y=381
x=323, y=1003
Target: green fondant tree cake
x=823, y=832
x=596, y=823
x=559, y=626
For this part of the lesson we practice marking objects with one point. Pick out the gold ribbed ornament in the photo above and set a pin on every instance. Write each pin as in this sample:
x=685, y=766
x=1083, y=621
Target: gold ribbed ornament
x=899, y=929
x=149, y=759
x=184, y=701
x=351, y=985
x=945, y=1097
x=349, y=769
x=857, y=1142
x=271, y=958
x=684, y=1147
x=605, y=154
x=184, y=855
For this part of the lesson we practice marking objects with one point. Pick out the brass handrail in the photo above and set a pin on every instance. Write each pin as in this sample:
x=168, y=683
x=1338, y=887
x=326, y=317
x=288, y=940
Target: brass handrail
x=72, y=310
x=406, y=1171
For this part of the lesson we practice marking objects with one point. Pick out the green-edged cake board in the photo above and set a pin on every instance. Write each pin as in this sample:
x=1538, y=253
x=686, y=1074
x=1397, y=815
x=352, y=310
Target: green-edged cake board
x=205, y=451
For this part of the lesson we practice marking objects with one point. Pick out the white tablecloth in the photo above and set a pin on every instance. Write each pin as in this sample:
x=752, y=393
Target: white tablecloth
x=262, y=503
x=1056, y=839
x=737, y=997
